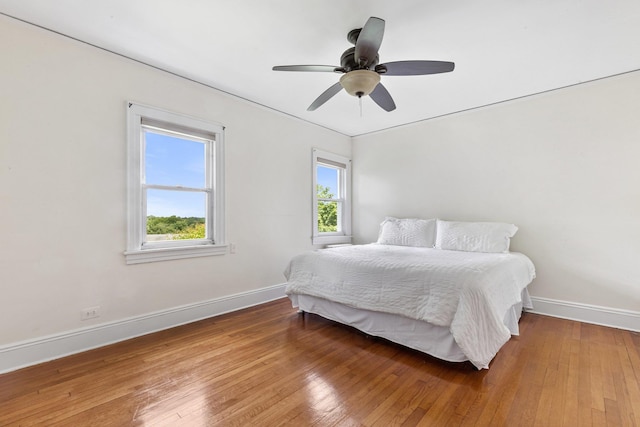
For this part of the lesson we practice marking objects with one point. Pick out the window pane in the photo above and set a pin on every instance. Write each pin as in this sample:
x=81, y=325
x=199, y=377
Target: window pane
x=170, y=160
x=327, y=217
x=328, y=182
x=175, y=215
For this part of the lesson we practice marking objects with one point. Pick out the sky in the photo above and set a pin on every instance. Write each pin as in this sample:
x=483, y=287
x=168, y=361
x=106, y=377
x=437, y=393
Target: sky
x=328, y=177
x=174, y=161
x=171, y=160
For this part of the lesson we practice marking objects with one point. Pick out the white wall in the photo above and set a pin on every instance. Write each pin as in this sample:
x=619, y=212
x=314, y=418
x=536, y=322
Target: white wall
x=564, y=166
x=63, y=187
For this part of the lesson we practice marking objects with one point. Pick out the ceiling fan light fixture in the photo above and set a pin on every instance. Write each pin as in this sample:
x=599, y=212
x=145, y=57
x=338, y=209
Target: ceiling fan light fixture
x=360, y=82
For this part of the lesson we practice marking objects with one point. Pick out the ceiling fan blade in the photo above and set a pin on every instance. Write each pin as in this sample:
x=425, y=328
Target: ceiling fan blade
x=325, y=96
x=317, y=68
x=415, y=68
x=382, y=97
x=369, y=41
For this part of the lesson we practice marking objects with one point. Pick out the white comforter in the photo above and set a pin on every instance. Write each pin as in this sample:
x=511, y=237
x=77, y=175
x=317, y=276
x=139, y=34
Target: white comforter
x=469, y=292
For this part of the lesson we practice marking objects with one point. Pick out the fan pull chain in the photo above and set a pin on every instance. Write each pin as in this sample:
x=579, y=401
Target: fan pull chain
x=360, y=101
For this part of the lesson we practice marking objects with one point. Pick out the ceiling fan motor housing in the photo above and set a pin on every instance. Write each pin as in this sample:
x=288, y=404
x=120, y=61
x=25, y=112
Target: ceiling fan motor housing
x=348, y=61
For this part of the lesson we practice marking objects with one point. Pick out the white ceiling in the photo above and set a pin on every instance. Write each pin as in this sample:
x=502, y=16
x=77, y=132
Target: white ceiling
x=503, y=49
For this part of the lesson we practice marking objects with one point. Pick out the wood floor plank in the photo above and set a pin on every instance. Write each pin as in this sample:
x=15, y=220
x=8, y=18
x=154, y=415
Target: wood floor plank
x=569, y=395
x=269, y=365
x=629, y=385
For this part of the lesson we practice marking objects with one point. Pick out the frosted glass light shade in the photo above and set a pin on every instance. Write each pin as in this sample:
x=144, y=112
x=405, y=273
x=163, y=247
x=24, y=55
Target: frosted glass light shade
x=360, y=82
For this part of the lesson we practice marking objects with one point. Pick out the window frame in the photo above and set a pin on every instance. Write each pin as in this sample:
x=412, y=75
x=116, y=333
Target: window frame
x=140, y=117
x=343, y=165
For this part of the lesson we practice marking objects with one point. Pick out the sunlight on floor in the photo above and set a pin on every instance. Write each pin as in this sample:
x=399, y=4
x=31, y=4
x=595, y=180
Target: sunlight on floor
x=323, y=399
x=191, y=409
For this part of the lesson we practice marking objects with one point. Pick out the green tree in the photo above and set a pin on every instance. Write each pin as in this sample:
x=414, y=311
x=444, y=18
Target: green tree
x=327, y=210
x=157, y=225
x=175, y=225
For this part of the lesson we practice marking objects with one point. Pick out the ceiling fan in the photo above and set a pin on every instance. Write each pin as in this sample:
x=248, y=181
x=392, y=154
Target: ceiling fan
x=361, y=71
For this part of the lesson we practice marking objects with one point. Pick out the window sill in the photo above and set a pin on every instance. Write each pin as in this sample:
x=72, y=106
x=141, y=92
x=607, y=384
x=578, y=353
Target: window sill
x=167, y=254
x=330, y=240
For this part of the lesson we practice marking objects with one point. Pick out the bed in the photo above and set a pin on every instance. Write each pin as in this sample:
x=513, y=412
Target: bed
x=457, y=297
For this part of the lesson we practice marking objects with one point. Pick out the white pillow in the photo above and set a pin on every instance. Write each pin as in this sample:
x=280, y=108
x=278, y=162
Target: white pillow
x=474, y=236
x=407, y=232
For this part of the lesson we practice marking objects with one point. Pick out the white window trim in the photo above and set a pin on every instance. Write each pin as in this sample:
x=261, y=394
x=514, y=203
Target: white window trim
x=137, y=253
x=344, y=235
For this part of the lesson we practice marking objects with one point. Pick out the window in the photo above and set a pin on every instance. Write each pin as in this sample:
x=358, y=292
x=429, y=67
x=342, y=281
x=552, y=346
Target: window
x=332, y=198
x=175, y=186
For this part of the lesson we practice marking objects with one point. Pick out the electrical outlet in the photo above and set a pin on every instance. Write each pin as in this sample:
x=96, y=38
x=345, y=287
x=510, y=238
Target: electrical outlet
x=90, y=313
x=232, y=248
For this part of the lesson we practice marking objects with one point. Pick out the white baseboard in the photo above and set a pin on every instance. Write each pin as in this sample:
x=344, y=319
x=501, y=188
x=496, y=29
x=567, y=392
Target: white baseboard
x=605, y=316
x=31, y=352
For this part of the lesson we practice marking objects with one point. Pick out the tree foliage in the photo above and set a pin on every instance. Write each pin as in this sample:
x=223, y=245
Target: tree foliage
x=178, y=228
x=327, y=211
x=196, y=231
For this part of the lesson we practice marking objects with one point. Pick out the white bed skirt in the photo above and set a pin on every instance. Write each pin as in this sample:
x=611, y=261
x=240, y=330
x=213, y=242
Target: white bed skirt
x=434, y=340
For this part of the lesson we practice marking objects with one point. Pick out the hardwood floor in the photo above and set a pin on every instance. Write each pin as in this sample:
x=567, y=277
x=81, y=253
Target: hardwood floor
x=269, y=365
